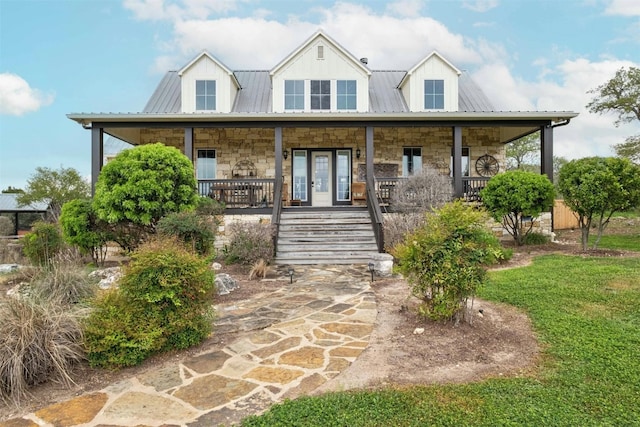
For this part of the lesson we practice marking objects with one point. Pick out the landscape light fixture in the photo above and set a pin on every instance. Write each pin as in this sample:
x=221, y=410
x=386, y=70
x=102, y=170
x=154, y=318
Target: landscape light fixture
x=285, y=154
x=358, y=152
x=371, y=269
x=290, y=272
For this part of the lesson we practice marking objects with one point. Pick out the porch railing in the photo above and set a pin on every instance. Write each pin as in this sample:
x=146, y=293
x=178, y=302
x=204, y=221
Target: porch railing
x=240, y=193
x=373, y=205
x=386, y=187
x=471, y=187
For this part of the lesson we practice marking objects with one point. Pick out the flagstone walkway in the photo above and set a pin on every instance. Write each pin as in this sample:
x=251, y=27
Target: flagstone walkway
x=301, y=336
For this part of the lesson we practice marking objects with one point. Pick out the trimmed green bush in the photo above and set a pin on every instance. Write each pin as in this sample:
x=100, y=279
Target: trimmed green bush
x=535, y=239
x=444, y=259
x=512, y=195
x=42, y=243
x=82, y=228
x=193, y=229
x=170, y=288
x=206, y=206
x=249, y=242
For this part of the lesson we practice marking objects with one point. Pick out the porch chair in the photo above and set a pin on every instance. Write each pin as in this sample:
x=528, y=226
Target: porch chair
x=358, y=192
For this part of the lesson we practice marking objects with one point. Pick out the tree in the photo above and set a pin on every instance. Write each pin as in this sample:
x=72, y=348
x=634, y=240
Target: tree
x=81, y=227
x=512, y=195
x=597, y=187
x=558, y=163
x=521, y=152
x=140, y=186
x=55, y=187
x=621, y=95
x=12, y=190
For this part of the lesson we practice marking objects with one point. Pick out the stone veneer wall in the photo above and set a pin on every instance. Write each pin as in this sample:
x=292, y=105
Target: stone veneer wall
x=222, y=238
x=257, y=145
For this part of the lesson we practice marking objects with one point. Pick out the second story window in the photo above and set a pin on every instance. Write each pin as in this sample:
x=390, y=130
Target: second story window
x=434, y=94
x=320, y=94
x=205, y=95
x=294, y=95
x=346, y=94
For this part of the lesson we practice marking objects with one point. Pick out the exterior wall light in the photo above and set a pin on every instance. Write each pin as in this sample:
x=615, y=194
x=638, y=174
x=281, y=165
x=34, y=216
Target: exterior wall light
x=285, y=154
x=358, y=152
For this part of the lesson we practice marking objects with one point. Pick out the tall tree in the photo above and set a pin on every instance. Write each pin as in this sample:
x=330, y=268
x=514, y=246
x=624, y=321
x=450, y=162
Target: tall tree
x=12, y=190
x=521, y=153
x=621, y=95
x=55, y=187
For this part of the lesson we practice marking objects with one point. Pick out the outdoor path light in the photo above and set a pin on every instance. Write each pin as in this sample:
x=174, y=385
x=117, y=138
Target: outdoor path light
x=290, y=272
x=371, y=268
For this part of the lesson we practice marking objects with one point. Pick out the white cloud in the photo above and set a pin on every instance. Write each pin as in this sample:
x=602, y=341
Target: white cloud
x=155, y=10
x=18, y=98
x=480, y=5
x=405, y=7
x=623, y=7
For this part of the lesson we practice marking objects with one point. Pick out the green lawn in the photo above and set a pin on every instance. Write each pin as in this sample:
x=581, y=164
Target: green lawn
x=586, y=312
x=627, y=242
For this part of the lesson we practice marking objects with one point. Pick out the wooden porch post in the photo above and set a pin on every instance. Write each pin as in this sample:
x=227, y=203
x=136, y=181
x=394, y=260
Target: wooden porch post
x=188, y=143
x=546, y=151
x=97, y=152
x=369, y=154
x=457, y=161
x=278, y=152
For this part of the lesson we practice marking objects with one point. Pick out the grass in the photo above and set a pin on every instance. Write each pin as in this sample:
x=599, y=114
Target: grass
x=626, y=242
x=585, y=312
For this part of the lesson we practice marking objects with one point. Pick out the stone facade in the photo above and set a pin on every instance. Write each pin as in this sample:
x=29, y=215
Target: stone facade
x=222, y=238
x=257, y=145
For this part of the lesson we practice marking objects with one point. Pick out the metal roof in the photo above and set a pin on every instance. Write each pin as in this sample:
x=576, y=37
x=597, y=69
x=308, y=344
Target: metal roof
x=9, y=203
x=255, y=94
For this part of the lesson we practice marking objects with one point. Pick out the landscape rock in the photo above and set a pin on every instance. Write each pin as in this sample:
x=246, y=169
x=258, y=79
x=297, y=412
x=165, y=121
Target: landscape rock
x=109, y=277
x=8, y=268
x=382, y=264
x=216, y=266
x=225, y=284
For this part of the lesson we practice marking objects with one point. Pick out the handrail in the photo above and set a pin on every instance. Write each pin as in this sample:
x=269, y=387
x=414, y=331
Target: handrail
x=375, y=213
x=277, y=210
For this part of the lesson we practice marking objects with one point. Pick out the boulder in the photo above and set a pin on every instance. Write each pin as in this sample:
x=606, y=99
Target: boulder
x=225, y=284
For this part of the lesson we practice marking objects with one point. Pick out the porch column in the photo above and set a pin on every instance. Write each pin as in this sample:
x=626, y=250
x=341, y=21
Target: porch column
x=97, y=152
x=369, y=154
x=546, y=151
x=188, y=143
x=457, y=161
x=278, y=151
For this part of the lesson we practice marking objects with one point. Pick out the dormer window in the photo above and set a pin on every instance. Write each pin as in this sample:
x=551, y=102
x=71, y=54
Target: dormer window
x=434, y=94
x=294, y=95
x=346, y=94
x=205, y=95
x=320, y=94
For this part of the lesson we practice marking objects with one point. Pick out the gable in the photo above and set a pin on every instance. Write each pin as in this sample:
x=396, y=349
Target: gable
x=432, y=67
x=206, y=68
x=320, y=58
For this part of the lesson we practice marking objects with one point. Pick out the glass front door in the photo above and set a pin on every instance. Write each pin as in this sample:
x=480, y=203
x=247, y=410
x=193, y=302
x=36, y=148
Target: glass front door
x=321, y=184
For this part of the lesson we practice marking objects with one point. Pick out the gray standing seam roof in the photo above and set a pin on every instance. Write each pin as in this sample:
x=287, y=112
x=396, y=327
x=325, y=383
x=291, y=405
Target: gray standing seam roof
x=255, y=94
x=9, y=203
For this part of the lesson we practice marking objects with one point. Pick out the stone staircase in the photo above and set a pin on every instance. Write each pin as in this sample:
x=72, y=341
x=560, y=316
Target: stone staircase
x=317, y=236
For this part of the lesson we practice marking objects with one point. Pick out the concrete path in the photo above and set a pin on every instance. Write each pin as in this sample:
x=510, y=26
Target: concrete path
x=301, y=336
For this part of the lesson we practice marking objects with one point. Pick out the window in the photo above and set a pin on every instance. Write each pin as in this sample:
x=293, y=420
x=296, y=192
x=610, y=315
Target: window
x=343, y=175
x=320, y=52
x=206, y=164
x=205, y=95
x=434, y=94
x=320, y=94
x=465, y=162
x=346, y=94
x=294, y=94
x=411, y=161
x=300, y=175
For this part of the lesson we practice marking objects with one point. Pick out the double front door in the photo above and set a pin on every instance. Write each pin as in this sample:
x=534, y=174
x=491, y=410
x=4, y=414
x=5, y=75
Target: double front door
x=321, y=177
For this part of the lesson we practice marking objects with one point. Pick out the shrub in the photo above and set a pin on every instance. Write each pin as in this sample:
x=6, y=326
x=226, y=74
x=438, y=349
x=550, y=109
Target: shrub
x=260, y=269
x=115, y=337
x=6, y=226
x=443, y=260
x=422, y=192
x=143, y=184
x=39, y=340
x=168, y=286
x=196, y=231
x=536, y=239
x=42, y=243
x=512, y=195
x=249, y=242
x=82, y=228
x=63, y=282
x=206, y=206
x=397, y=225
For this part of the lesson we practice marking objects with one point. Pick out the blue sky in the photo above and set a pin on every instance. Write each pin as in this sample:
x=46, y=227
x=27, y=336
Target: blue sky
x=69, y=56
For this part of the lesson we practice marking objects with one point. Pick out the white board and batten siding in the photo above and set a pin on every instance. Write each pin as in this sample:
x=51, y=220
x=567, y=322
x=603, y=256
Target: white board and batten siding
x=333, y=66
x=433, y=67
x=204, y=68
